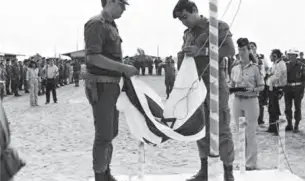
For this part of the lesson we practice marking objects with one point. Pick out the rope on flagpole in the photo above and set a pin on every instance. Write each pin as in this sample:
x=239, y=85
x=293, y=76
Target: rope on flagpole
x=214, y=78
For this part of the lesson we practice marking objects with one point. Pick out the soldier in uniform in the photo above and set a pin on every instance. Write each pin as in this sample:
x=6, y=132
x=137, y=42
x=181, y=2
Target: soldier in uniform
x=2, y=80
x=8, y=69
x=15, y=77
x=21, y=76
x=104, y=71
x=263, y=95
x=294, y=91
x=247, y=75
x=25, y=69
x=76, y=72
x=170, y=75
x=194, y=38
x=302, y=57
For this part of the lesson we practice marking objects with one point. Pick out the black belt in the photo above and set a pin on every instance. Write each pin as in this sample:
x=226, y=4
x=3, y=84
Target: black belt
x=245, y=97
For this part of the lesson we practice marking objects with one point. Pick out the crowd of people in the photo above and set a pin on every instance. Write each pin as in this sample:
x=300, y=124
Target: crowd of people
x=38, y=77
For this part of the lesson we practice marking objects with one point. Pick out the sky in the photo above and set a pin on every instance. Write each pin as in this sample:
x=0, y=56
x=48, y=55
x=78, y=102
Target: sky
x=51, y=27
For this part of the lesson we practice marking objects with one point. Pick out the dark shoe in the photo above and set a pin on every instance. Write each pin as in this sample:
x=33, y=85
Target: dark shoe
x=100, y=177
x=289, y=128
x=47, y=102
x=17, y=95
x=108, y=175
x=27, y=92
x=250, y=168
x=202, y=174
x=296, y=127
x=228, y=173
x=261, y=122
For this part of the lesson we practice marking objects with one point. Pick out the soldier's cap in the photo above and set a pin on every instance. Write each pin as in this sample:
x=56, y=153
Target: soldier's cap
x=242, y=42
x=105, y=1
x=293, y=51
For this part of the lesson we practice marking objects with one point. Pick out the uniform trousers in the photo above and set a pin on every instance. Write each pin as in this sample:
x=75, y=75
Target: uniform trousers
x=103, y=98
x=251, y=108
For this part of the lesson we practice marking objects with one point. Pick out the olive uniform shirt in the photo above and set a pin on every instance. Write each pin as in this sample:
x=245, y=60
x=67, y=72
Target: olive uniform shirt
x=102, y=37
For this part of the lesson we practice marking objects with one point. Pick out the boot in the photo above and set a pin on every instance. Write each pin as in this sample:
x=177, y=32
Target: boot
x=296, y=127
x=228, y=173
x=202, y=174
x=108, y=175
x=289, y=126
x=100, y=177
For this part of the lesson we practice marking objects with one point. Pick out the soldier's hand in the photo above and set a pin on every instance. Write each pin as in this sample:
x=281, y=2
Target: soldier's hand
x=191, y=51
x=130, y=71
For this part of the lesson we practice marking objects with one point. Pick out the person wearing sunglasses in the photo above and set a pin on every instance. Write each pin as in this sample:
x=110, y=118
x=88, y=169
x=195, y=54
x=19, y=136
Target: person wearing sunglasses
x=248, y=82
x=276, y=81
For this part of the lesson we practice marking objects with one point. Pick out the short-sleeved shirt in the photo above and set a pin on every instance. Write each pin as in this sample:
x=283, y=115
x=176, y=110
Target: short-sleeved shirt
x=102, y=37
x=199, y=36
x=248, y=76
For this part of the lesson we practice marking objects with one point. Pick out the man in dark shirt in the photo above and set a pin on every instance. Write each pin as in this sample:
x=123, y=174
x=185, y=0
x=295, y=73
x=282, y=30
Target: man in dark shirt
x=15, y=77
x=104, y=71
x=8, y=69
x=294, y=90
x=194, y=39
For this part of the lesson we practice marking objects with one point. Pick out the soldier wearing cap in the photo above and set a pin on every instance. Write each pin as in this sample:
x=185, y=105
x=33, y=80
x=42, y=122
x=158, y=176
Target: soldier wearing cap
x=104, y=71
x=294, y=91
x=247, y=75
x=195, y=36
x=15, y=77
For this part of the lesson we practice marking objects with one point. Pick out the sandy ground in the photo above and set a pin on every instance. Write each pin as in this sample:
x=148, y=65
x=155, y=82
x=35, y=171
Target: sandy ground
x=56, y=141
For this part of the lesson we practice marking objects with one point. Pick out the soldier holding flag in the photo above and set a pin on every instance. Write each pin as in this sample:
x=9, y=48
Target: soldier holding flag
x=194, y=39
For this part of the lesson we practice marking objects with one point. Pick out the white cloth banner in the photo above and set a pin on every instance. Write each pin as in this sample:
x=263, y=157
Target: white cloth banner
x=187, y=96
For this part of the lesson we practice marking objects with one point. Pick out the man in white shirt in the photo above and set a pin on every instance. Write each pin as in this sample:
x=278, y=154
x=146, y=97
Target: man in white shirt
x=51, y=71
x=276, y=82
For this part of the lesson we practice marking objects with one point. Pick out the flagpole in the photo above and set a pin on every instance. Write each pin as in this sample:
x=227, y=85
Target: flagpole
x=214, y=79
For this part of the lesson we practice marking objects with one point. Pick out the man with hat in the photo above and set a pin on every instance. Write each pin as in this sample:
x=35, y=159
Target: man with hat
x=294, y=91
x=104, y=71
x=195, y=36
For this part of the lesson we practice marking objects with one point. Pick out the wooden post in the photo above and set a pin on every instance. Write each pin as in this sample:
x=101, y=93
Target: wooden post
x=281, y=144
x=242, y=142
x=141, y=161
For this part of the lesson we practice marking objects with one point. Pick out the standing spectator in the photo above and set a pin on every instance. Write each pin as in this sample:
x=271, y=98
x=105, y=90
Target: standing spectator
x=170, y=75
x=8, y=69
x=302, y=57
x=76, y=72
x=21, y=76
x=294, y=92
x=263, y=95
x=33, y=79
x=15, y=77
x=25, y=68
x=2, y=80
x=71, y=73
x=51, y=72
x=42, y=78
x=67, y=72
x=277, y=80
x=247, y=75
